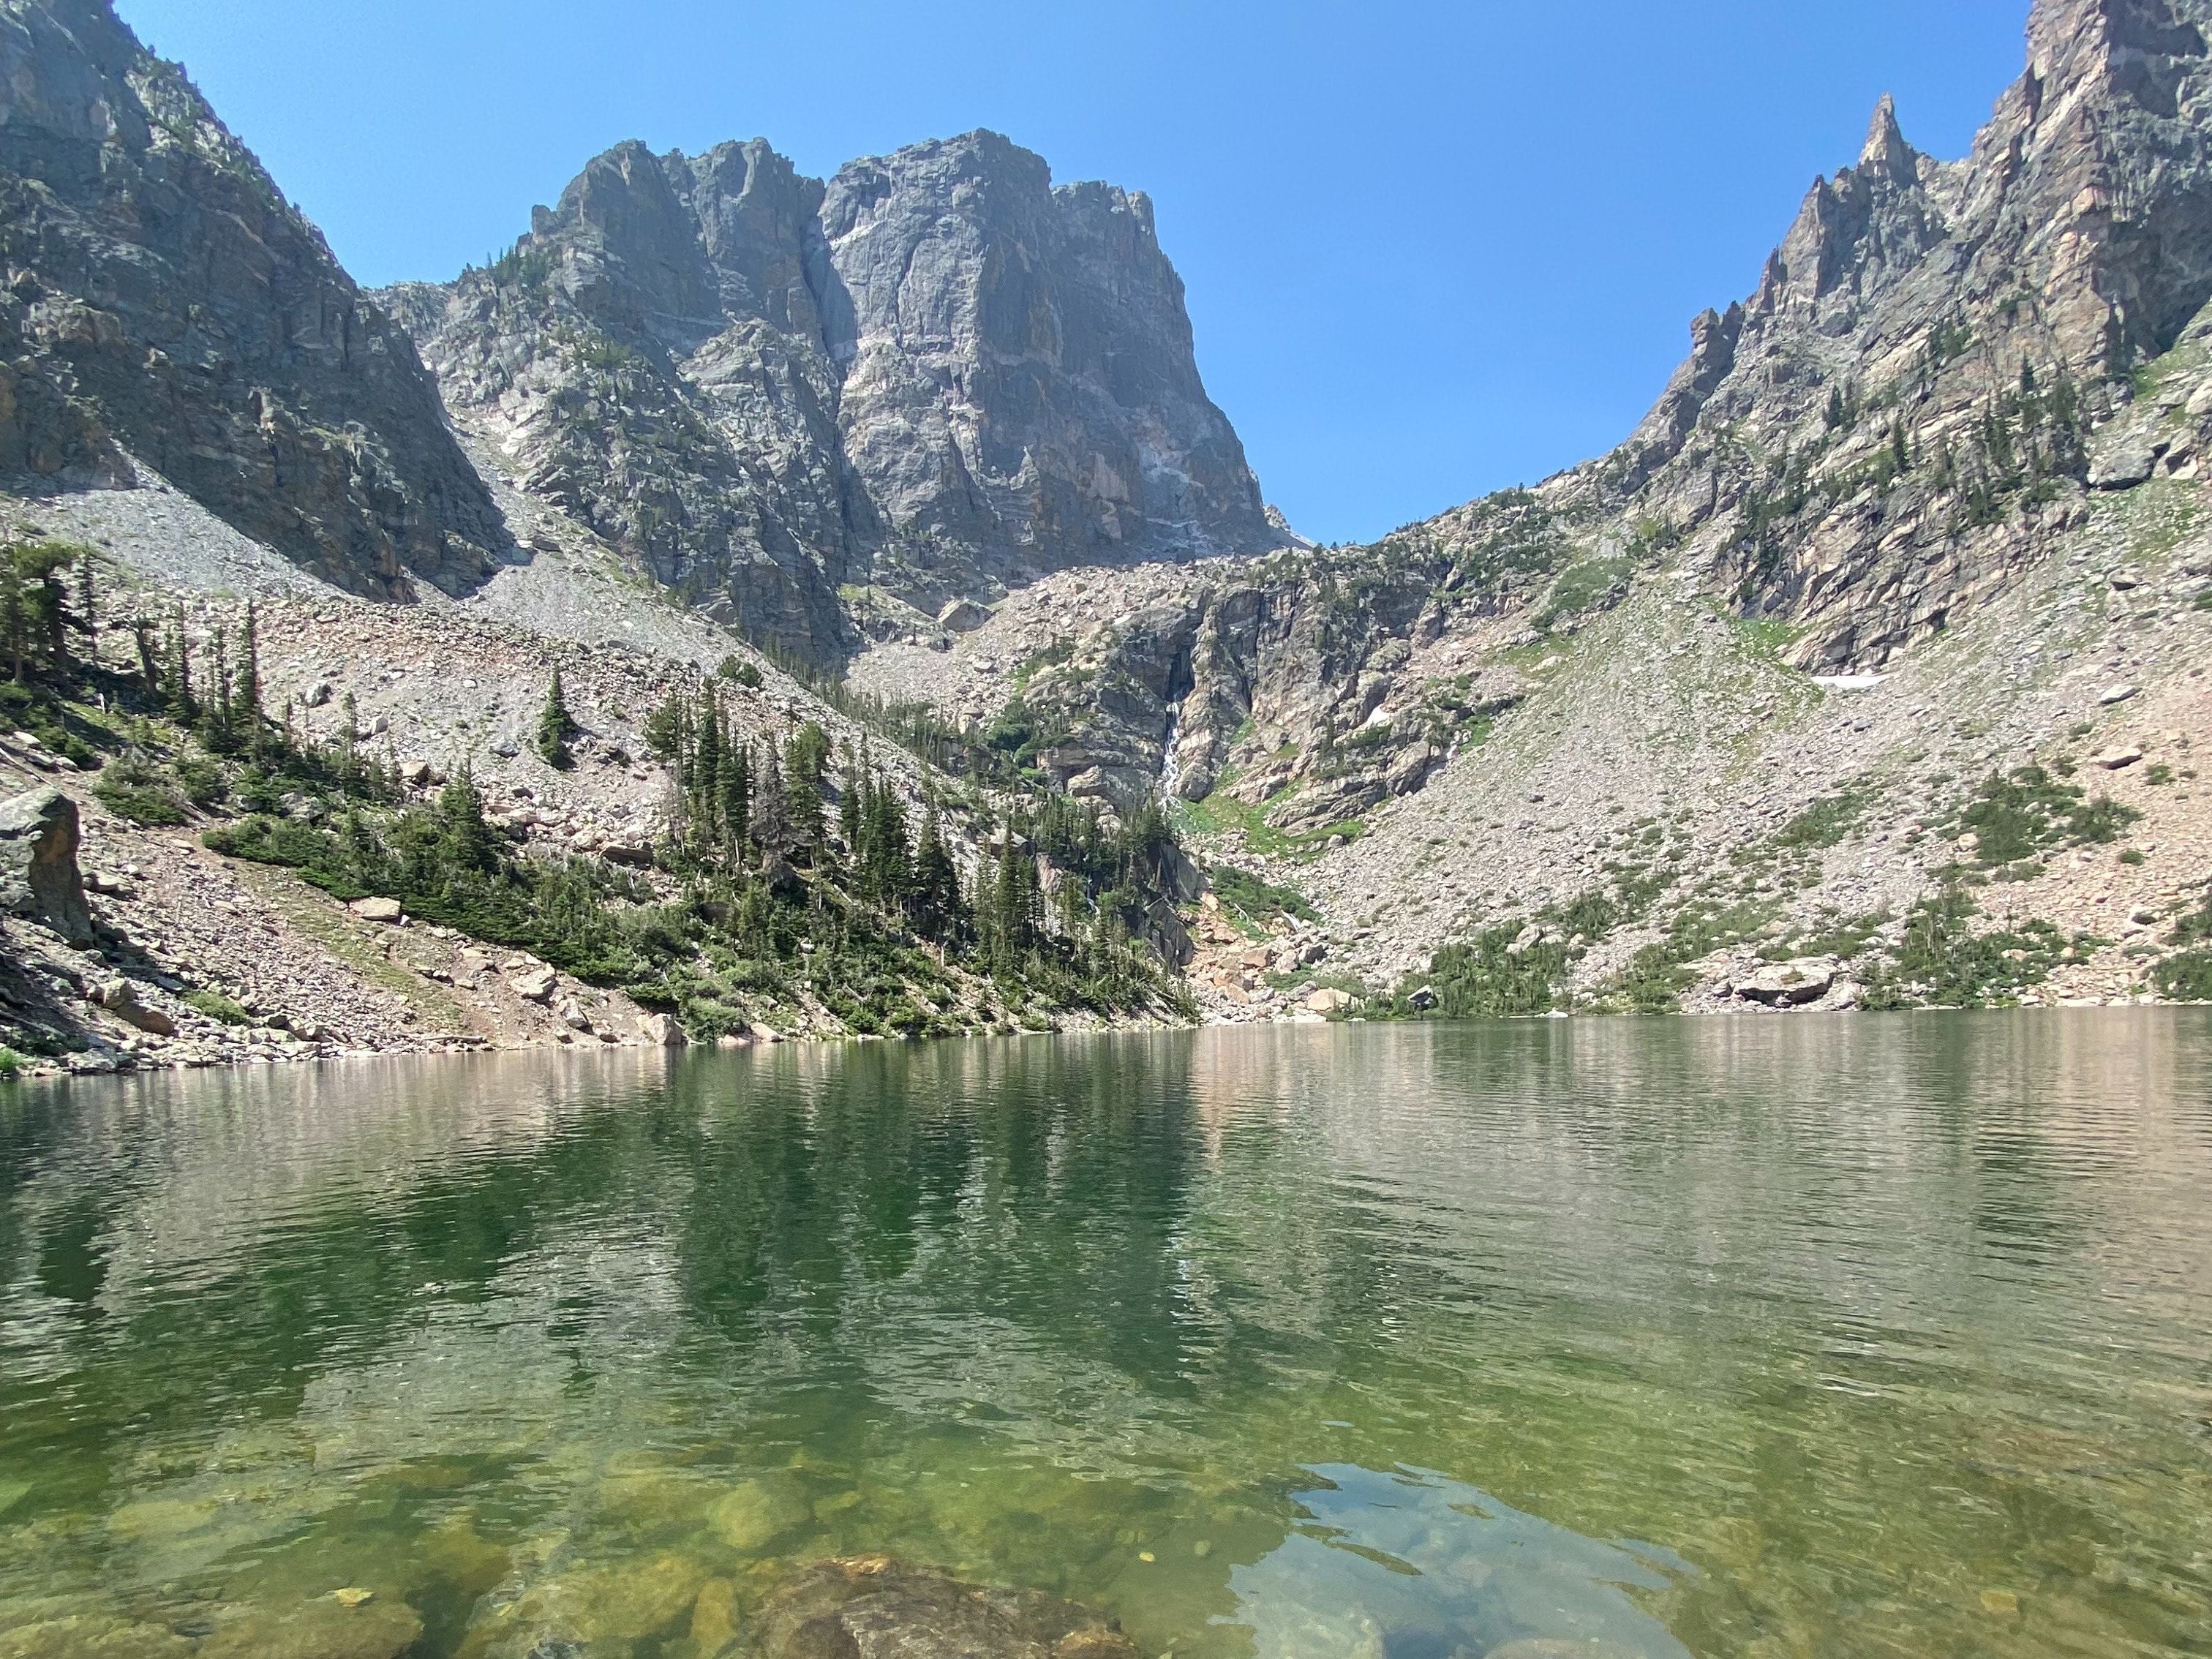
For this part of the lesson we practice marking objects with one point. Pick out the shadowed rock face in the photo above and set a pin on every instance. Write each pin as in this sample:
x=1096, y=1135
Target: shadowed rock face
x=38, y=876
x=162, y=295
x=936, y=374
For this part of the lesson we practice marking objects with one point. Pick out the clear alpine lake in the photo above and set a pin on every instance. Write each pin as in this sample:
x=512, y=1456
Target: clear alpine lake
x=1872, y=1335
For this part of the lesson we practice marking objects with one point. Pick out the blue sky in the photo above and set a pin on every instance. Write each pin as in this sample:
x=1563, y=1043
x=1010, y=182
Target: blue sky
x=1431, y=249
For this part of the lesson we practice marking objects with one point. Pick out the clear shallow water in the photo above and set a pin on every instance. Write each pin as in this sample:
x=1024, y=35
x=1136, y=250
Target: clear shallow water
x=1861, y=1336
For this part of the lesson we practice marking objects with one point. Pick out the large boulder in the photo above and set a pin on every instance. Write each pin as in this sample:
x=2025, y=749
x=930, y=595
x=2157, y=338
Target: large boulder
x=1790, y=984
x=873, y=1608
x=38, y=877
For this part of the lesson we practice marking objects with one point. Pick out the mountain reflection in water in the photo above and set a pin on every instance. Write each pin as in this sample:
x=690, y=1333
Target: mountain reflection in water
x=1900, y=1330
x=1413, y=1565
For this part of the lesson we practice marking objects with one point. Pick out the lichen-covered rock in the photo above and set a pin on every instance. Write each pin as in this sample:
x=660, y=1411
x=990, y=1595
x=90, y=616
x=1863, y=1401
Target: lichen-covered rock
x=873, y=1608
x=39, y=875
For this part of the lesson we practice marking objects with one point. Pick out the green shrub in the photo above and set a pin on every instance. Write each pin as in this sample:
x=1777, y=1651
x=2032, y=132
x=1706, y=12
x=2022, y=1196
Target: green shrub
x=1942, y=962
x=217, y=1007
x=1257, y=901
x=11, y=1064
x=136, y=789
x=2186, y=977
x=1825, y=823
x=2021, y=813
x=204, y=782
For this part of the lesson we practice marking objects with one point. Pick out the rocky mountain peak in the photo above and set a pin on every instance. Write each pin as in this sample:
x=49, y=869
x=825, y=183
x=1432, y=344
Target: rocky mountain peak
x=935, y=376
x=1885, y=156
x=165, y=300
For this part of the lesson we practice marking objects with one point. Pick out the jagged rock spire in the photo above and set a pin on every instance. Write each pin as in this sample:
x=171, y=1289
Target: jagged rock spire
x=1887, y=154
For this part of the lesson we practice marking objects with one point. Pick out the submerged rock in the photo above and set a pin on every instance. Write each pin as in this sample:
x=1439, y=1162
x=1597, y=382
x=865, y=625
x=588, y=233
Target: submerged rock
x=91, y=1636
x=874, y=1607
x=323, y=1629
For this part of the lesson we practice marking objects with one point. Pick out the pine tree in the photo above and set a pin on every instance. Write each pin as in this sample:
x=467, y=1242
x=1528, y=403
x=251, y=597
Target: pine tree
x=217, y=729
x=14, y=618
x=937, y=909
x=705, y=774
x=247, y=700
x=182, y=706
x=348, y=743
x=848, y=809
x=87, y=603
x=771, y=809
x=803, y=764
x=150, y=667
x=737, y=798
x=555, y=726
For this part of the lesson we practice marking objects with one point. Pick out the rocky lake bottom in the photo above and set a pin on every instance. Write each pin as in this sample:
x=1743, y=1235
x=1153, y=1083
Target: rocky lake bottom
x=1862, y=1336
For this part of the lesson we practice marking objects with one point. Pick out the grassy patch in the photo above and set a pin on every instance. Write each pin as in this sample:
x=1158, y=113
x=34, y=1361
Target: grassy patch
x=1249, y=899
x=2025, y=812
x=217, y=1007
x=1580, y=586
x=1220, y=812
x=1942, y=962
x=1825, y=823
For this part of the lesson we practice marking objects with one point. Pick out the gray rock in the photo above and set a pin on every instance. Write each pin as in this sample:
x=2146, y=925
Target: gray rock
x=2127, y=460
x=936, y=373
x=963, y=615
x=39, y=874
x=121, y=999
x=535, y=984
x=386, y=910
x=162, y=294
x=1790, y=984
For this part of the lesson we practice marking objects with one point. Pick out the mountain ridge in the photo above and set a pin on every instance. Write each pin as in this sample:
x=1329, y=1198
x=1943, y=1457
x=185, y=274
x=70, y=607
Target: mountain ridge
x=934, y=375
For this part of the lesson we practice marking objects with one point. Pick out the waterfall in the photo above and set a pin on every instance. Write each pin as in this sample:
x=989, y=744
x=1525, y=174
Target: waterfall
x=1170, y=768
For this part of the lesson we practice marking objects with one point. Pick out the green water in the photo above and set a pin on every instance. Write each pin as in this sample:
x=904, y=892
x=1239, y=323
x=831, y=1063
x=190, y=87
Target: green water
x=1857, y=1336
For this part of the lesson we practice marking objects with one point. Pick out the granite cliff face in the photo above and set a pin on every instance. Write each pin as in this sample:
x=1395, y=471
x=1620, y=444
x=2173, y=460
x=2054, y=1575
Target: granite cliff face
x=1921, y=402
x=161, y=298
x=1892, y=425
x=935, y=376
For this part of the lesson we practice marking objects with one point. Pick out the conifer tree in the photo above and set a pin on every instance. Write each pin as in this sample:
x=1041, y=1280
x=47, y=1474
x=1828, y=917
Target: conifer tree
x=771, y=810
x=737, y=798
x=247, y=701
x=704, y=778
x=150, y=667
x=182, y=706
x=937, y=905
x=88, y=603
x=555, y=726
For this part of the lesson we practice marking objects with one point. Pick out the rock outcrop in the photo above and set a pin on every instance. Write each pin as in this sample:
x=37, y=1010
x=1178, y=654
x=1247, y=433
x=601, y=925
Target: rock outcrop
x=1893, y=424
x=161, y=297
x=1908, y=413
x=936, y=375
x=39, y=875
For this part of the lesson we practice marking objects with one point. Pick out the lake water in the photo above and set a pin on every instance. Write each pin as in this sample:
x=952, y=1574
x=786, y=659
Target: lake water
x=1810, y=1336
